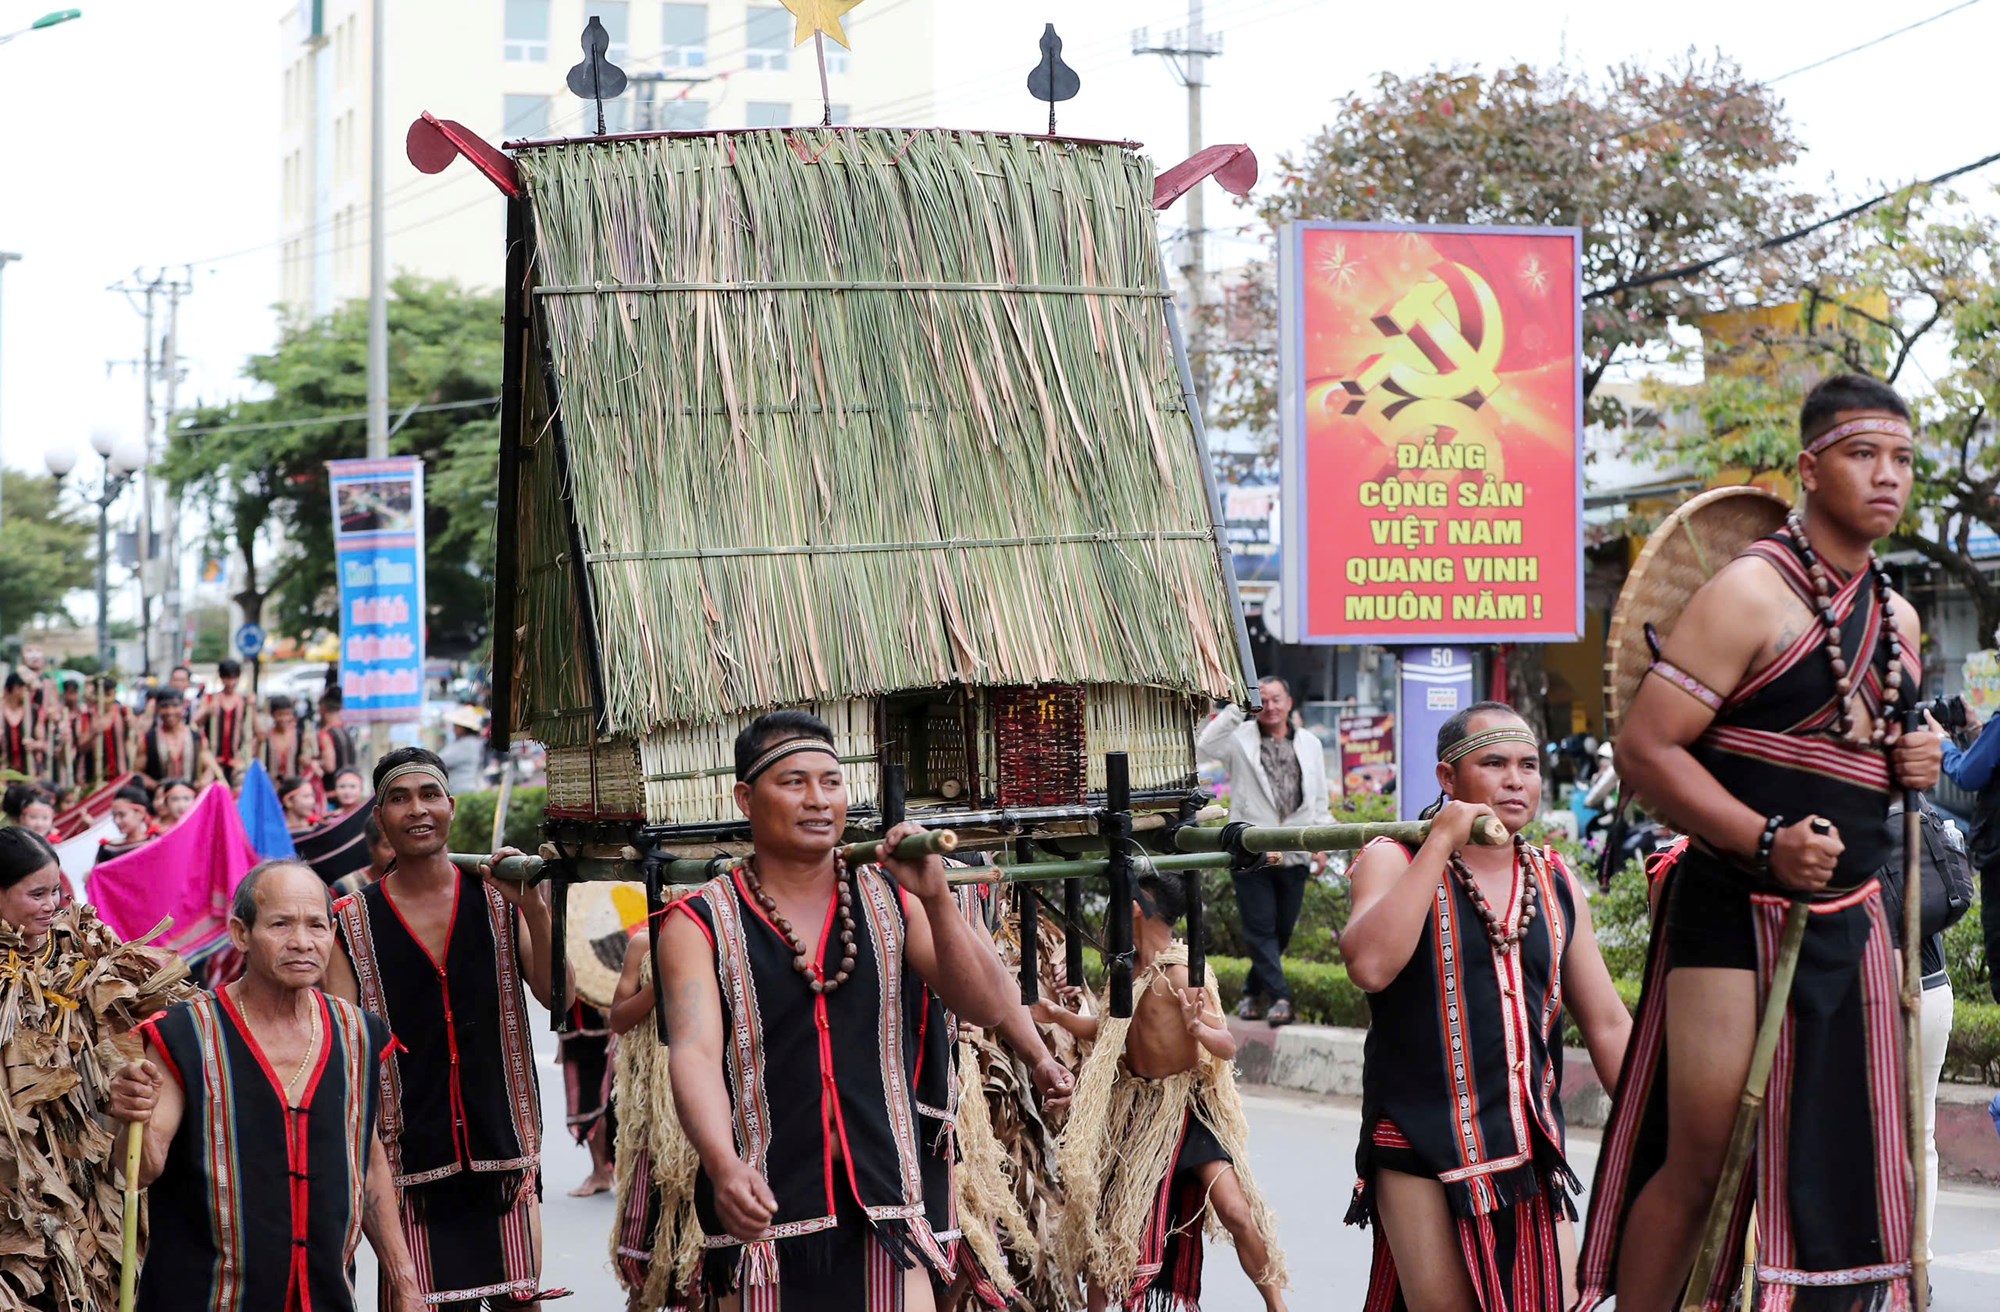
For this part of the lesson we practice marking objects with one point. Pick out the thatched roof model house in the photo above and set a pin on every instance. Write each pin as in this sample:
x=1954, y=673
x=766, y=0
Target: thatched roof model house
x=887, y=423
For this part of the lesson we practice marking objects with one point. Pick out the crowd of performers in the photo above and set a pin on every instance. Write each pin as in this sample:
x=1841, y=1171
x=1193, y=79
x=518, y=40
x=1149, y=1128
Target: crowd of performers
x=854, y=1111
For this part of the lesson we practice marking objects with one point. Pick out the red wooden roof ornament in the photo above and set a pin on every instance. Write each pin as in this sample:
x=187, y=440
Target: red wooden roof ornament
x=1234, y=168
x=433, y=143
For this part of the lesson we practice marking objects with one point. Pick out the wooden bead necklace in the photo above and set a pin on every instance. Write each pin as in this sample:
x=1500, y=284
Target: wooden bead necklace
x=802, y=960
x=1843, y=678
x=1503, y=937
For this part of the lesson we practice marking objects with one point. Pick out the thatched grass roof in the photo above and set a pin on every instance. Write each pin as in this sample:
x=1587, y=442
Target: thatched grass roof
x=857, y=411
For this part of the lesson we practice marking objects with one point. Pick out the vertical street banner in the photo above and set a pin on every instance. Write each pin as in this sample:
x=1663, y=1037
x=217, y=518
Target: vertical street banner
x=1432, y=685
x=1367, y=754
x=1431, y=422
x=378, y=553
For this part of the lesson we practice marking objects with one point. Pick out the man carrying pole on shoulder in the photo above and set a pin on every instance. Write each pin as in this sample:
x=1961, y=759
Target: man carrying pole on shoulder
x=1769, y=733
x=794, y=1035
x=444, y=957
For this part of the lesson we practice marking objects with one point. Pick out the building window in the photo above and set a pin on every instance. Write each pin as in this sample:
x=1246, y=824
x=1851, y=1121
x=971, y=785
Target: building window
x=684, y=33
x=836, y=59
x=682, y=115
x=524, y=116
x=766, y=114
x=767, y=38
x=842, y=115
x=527, y=31
x=616, y=15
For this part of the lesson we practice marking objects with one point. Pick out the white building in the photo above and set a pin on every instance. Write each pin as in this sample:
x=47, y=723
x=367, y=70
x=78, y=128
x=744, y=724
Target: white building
x=498, y=66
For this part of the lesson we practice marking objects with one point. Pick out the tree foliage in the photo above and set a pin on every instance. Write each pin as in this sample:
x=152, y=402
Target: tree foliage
x=265, y=488
x=1909, y=293
x=48, y=548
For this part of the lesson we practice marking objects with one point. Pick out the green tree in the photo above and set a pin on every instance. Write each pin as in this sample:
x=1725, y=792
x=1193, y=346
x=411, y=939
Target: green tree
x=254, y=470
x=48, y=549
x=1659, y=167
x=1915, y=277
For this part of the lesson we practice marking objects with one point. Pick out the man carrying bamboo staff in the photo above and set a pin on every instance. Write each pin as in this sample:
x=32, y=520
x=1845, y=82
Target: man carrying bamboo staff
x=794, y=1032
x=1471, y=956
x=444, y=958
x=1769, y=733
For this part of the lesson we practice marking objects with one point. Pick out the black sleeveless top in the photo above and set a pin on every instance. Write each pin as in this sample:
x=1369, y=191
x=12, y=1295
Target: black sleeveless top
x=1465, y=1049
x=260, y=1203
x=1772, y=744
x=804, y=1069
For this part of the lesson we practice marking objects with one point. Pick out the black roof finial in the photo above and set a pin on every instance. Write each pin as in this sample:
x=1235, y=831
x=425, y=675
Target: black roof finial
x=1052, y=80
x=597, y=78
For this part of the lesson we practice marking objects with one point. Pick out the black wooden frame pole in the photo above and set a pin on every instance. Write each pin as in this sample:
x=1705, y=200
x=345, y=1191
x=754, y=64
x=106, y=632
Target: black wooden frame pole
x=656, y=905
x=559, y=947
x=1115, y=824
x=1073, y=932
x=1197, y=928
x=894, y=797
x=1028, y=907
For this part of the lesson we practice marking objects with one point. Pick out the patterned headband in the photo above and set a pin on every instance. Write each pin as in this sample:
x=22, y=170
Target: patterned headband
x=790, y=747
x=1465, y=747
x=1887, y=425
x=409, y=768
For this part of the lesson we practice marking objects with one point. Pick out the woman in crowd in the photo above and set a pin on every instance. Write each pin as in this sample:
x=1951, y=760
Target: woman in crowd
x=348, y=791
x=132, y=812
x=172, y=801
x=31, y=807
x=301, y=802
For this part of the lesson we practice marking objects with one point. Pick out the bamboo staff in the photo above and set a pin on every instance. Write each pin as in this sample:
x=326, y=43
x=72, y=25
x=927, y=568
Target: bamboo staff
x=1913, y=1039
x=533, y=869
x=1715, y=1231
x=128, y=1271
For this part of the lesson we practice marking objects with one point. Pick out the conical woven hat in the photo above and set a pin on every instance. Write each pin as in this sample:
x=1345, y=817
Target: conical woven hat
x=1684, y=552
x=600, y=916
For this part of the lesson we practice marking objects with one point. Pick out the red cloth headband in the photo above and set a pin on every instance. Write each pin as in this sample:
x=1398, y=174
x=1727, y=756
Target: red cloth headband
x=1884, y=424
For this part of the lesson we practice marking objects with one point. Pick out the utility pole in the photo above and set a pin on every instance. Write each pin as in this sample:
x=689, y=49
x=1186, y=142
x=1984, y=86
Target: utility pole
x=378, y=283
x=160, y=363
x=1185, y=51
x=6, y=258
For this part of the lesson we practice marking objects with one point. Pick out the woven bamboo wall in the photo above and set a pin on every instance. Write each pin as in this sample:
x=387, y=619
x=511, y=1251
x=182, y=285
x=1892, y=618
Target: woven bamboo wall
x=690, y=771
x=1154, y=727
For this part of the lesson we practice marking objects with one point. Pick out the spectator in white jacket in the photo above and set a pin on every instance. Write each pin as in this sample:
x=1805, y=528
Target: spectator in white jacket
x=1277, y=776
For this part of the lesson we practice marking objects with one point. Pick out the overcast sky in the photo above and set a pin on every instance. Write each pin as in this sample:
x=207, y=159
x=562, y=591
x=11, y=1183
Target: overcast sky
x=145, y=134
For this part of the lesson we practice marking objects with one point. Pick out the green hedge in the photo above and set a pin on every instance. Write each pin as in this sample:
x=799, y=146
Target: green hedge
x=472, y=827
x=1323, y=995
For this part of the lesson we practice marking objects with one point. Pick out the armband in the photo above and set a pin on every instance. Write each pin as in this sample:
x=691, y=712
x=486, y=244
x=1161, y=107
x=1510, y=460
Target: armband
x=1687, y=683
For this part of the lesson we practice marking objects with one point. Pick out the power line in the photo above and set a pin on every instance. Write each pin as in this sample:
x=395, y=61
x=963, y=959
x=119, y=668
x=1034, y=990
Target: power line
x=317, y=420
x=1822, y=62
x=1786, y=238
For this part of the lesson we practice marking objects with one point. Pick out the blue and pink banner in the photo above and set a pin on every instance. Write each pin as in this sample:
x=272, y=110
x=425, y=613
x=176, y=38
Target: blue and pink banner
x=378, y=552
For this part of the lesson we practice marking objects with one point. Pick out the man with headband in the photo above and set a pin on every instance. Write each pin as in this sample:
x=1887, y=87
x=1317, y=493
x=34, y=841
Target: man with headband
x=1474, y=959
x=1769, y=733
x=444, y=959
x=793, y=987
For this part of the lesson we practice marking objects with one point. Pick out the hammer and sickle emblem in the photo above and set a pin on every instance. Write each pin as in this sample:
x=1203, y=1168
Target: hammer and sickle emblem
x=1445, y=339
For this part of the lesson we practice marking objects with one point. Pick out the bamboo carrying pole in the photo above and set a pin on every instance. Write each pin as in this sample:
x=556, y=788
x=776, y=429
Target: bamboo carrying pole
x=128, y=1271
x=1715, y=1230
x=1913, y=1038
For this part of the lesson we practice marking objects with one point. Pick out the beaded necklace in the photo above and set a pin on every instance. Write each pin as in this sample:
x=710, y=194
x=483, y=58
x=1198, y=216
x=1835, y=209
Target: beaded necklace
x=1843, y=680
x=1503, y=937
x=802, y=960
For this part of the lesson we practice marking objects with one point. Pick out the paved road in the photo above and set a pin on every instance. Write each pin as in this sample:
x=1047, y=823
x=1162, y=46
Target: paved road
x=1303, y=1153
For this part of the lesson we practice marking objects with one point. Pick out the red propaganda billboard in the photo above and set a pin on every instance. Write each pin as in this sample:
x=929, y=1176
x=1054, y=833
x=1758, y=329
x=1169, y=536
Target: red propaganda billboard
x=1432, y=423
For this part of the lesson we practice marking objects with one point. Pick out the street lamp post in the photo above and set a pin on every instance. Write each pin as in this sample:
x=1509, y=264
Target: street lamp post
x=121, y=461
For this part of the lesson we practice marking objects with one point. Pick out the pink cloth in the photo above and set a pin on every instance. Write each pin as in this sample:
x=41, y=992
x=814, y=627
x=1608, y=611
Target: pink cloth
x=188, y=873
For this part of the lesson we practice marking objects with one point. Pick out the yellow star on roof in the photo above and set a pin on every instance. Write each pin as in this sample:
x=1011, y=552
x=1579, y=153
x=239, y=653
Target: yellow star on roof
x=820, y=16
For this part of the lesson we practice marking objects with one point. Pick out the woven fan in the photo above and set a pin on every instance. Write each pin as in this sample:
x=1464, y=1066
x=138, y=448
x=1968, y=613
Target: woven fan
x=1684, y=552
x=601, y=916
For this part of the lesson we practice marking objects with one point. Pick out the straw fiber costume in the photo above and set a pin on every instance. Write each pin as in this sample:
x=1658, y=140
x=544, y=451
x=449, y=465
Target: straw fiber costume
x=66, y=1016
x=1133, y=1220
x=802, y=1068
x=1009, y=1196
x=238, y=1221
x=1832, y=1183
x=656, y=1241
x=461, y=1108
x=1462, y=1084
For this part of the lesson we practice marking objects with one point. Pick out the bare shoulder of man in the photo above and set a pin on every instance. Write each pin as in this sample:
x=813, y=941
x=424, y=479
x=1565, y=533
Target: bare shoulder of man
x=1738, y=621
